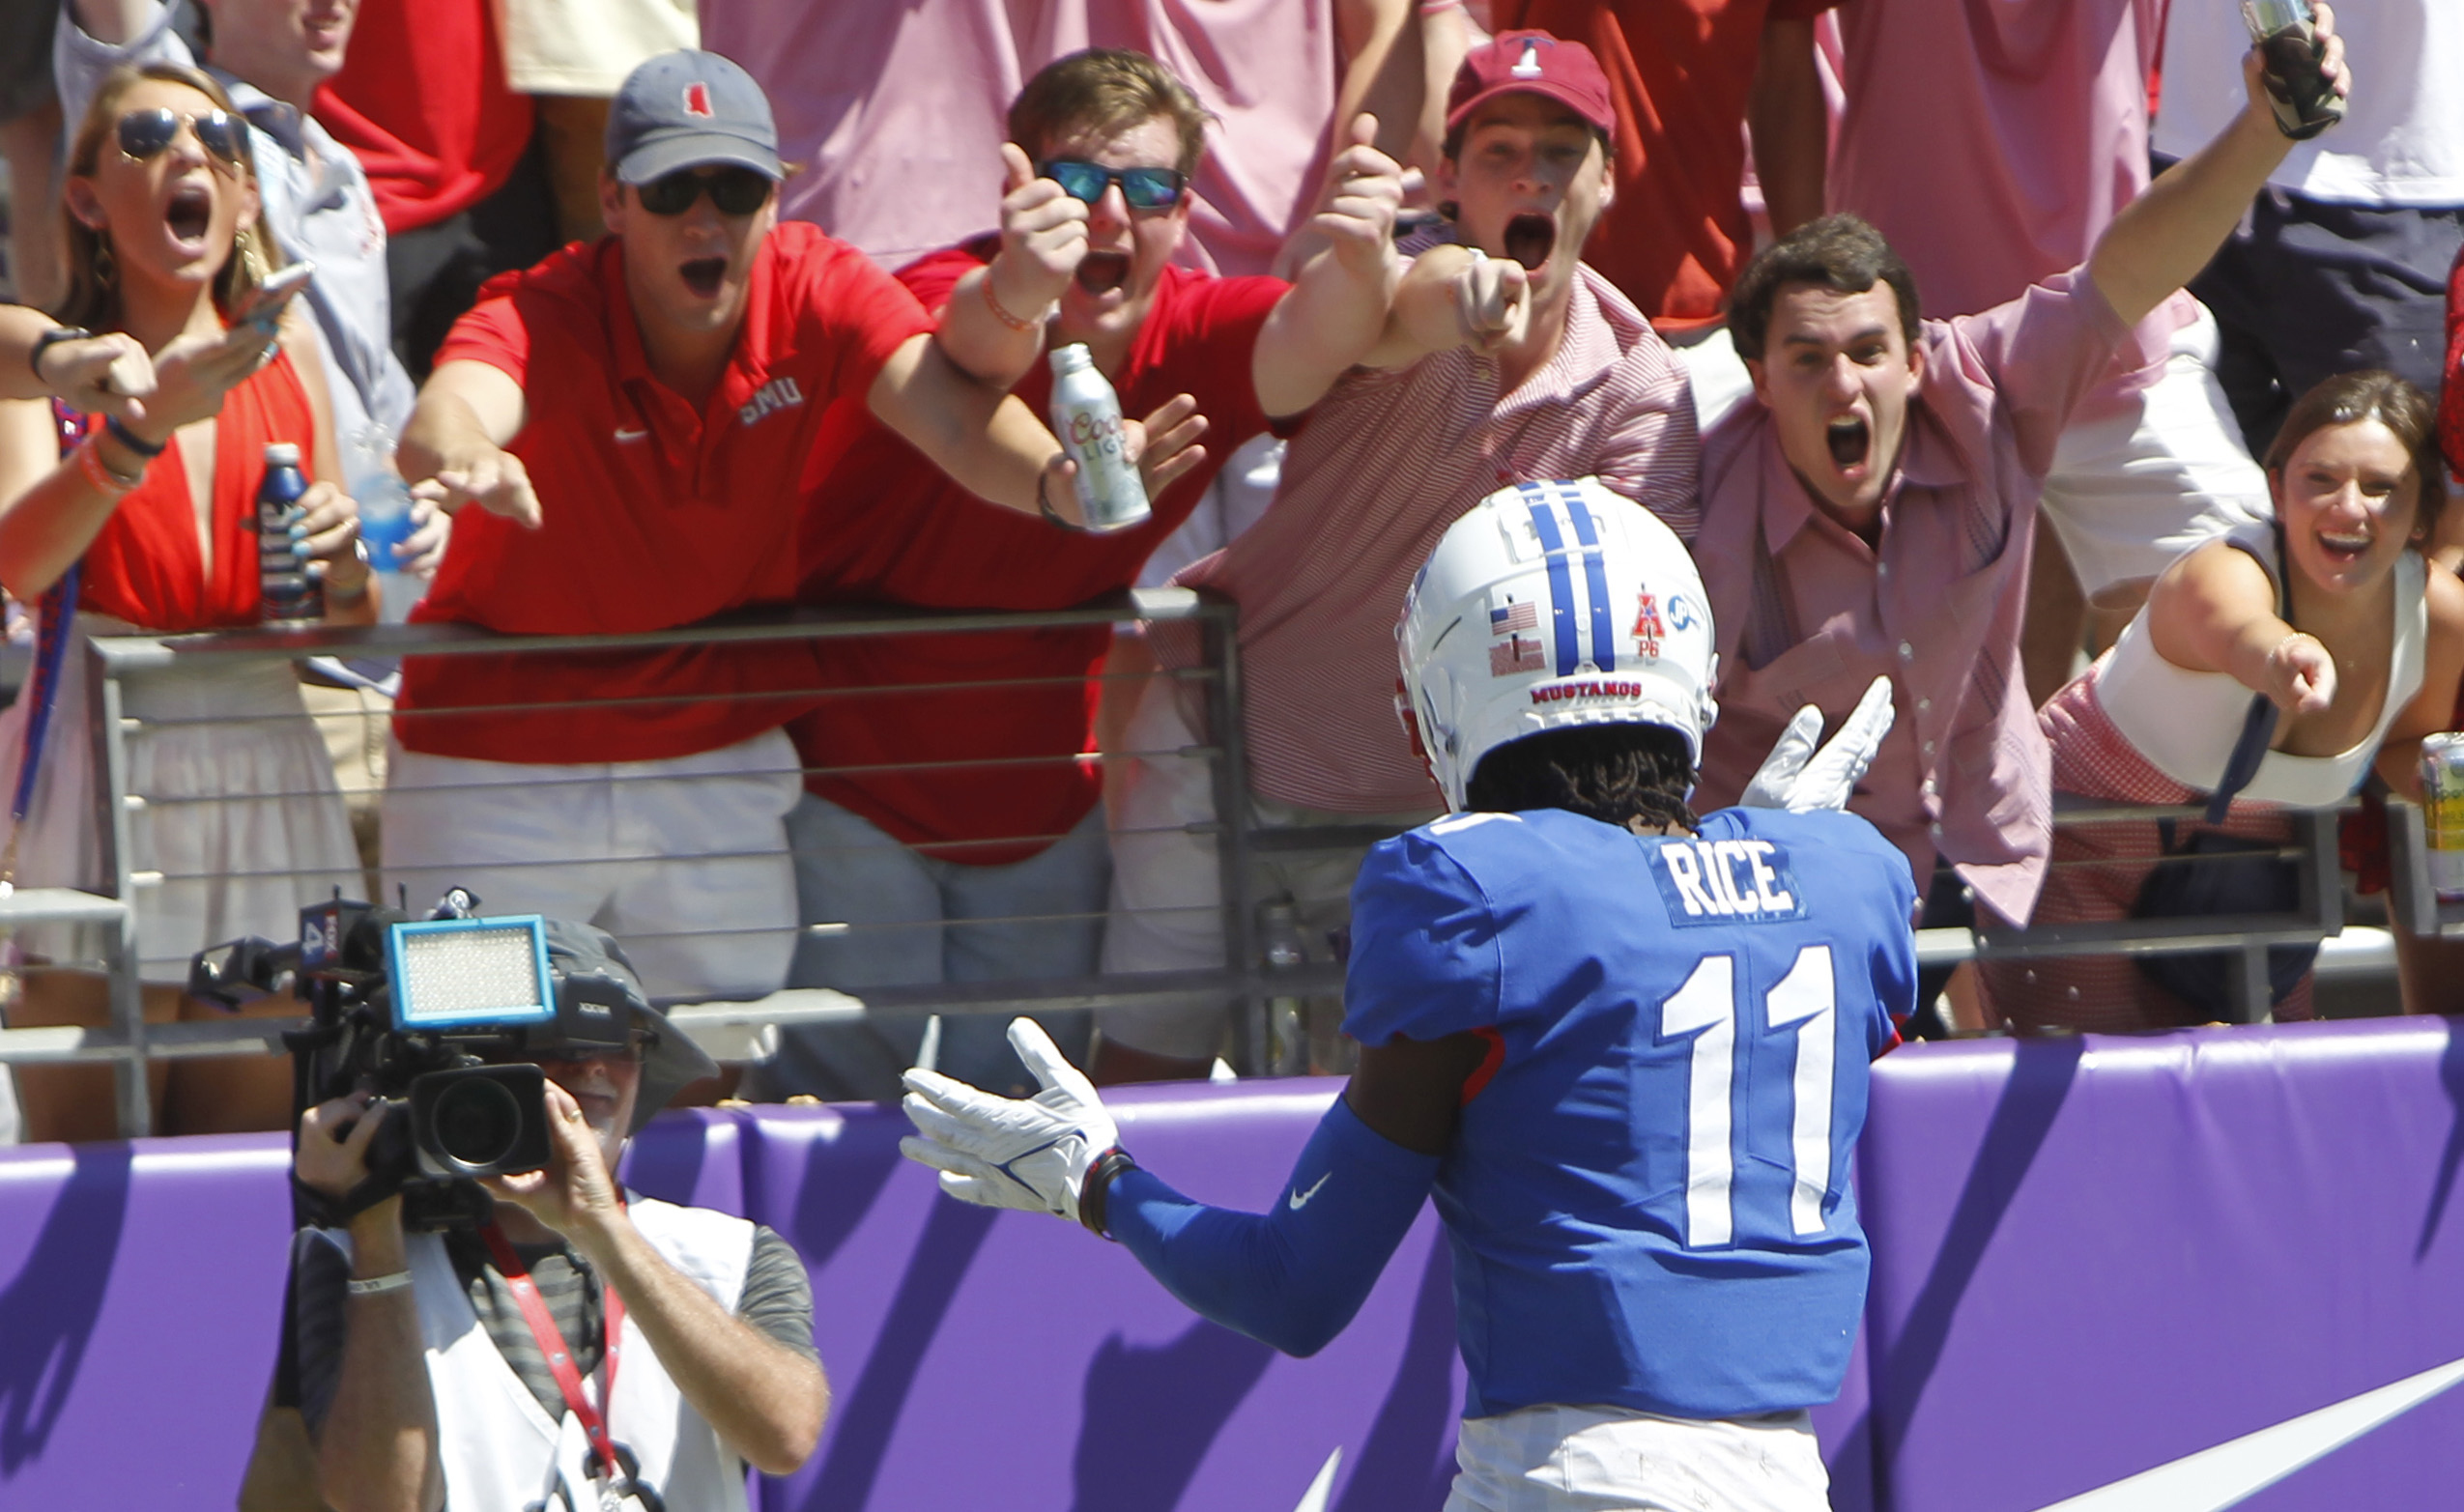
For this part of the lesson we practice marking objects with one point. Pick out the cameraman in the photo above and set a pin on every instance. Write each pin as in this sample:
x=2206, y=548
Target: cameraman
x=425, y=1359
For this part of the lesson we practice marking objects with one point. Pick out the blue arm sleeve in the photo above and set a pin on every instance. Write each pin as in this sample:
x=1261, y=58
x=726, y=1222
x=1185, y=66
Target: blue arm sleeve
x=1293, y=1276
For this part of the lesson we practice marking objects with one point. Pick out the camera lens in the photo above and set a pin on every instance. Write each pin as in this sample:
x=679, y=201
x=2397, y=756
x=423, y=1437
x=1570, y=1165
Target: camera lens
x=477, y=1122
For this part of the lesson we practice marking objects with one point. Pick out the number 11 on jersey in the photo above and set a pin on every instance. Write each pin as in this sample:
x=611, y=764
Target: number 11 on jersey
x=1804, y=1004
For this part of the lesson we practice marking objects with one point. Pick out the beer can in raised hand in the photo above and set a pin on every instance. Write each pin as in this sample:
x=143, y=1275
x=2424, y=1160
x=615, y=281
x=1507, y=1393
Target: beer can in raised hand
x=2443, y=812
x=2299, y=95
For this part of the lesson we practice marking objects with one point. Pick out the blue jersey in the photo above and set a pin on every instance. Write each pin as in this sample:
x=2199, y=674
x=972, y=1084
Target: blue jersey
x=1647, y=1194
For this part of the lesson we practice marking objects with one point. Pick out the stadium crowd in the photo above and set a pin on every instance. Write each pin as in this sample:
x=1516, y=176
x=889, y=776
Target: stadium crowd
x=629, y=336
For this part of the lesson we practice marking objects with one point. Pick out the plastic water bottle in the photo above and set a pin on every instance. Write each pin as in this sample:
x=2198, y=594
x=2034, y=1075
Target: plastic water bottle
x=385, y=518
x=1086, y=414
x=287, y=593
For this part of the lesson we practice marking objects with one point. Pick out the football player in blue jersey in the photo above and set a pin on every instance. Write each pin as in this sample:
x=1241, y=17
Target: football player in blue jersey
x=1625, y=1047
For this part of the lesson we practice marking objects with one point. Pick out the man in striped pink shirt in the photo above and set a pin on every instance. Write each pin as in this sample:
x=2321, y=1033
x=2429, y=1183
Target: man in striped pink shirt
x=1505, y=360
x=1872, y=512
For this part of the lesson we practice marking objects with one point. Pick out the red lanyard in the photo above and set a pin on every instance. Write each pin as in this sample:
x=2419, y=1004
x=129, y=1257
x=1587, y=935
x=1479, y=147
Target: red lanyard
x=543, y=1329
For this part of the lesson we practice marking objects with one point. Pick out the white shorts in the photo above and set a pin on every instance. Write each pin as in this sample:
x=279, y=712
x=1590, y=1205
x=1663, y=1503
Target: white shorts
x=2131, y=490
x=1168, y=882
x=684, y=860
x=244, y=824
x=1608, y=1459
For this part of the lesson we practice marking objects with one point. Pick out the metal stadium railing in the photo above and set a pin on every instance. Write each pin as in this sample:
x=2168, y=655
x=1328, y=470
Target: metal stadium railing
x=1262, y=992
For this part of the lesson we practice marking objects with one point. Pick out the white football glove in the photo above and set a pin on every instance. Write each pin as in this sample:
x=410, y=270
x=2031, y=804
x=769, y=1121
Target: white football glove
x=1031, y=1153
x=1800, y=779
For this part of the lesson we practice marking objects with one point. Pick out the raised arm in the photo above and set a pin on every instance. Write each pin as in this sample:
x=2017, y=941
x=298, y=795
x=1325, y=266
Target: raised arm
x=995, y=448
x=377, y=1444
x=1337, y=305
x=452, y=450
x=2161, y=240
x=106, y=374
x=2214, y=610
x=1453, y=297
x=51, y=508
x=1791, y=125
x=1383, y=71
x=1292, y=1276
x=763, y=1399
x=992, y=329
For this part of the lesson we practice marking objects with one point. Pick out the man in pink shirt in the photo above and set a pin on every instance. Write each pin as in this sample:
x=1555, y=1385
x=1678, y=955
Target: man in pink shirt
x=2031, y=135
x=1505, y=360
x=1873, y=512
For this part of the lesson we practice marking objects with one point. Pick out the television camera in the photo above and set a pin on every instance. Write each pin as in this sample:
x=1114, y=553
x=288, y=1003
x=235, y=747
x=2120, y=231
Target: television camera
x=443, y=1018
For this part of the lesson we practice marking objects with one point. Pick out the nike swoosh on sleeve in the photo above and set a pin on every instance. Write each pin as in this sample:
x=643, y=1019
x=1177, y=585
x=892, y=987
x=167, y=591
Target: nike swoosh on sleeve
x=2239, y=1469
x=1301, y=1199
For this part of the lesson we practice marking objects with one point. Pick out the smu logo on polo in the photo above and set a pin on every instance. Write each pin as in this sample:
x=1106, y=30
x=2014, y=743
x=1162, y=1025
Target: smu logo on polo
x=1726, y=881
x=779, y=393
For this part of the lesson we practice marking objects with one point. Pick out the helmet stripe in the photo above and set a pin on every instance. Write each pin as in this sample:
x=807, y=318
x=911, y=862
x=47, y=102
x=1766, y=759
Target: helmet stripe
x=1595, y=577
x=1569, y=655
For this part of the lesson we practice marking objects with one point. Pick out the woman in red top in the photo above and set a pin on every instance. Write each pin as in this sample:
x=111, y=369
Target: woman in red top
x=161, y=515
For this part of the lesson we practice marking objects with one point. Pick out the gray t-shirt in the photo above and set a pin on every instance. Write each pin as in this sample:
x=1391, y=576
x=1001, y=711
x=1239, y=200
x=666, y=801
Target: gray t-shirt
x=317, y=204
x=777, y=1301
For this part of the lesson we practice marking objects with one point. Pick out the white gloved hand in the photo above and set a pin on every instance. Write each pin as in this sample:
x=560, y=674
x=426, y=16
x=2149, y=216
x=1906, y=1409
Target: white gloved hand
x=1800, y=779
x=1031, y=1153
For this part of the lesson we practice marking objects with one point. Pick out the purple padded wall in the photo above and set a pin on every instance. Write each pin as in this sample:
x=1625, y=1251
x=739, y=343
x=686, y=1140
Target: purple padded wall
x=1009, y=1359
x=140, y=1292
x=2098, y=1256
x=691, y=1156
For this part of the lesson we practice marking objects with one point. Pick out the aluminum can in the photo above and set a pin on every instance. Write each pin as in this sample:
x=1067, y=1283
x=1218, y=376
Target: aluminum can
x=2303, y=101
x=2443, y=812
x=288, y=593
x=1086, y=414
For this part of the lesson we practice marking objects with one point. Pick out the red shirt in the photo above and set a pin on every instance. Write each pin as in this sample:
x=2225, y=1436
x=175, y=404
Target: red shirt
x=656, y=516
x=884, y=524
x=425, y=109
x=1680, y=72
x=145, y=567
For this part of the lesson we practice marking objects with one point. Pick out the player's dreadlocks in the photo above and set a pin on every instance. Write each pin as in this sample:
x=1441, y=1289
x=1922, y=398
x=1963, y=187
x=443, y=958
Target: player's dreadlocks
x=1630, y=774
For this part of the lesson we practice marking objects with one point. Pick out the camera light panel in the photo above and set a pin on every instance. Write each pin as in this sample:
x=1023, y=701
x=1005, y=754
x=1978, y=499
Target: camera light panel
x=453, y=973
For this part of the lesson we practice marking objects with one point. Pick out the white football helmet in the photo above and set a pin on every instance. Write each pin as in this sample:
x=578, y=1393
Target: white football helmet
x=1551, y=605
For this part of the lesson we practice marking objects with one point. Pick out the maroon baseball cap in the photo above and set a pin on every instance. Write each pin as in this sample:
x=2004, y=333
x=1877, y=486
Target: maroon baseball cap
x=1534, y=63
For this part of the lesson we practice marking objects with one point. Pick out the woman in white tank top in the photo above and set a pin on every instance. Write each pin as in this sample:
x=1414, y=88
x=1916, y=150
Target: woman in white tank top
x=2369, y=664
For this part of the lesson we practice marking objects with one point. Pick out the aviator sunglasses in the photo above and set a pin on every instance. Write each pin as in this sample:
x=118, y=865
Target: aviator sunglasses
x=1145, y=190
x=734, y=192
x=143, y=133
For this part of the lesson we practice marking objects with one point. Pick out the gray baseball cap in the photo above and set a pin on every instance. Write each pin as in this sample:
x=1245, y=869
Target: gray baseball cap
x=685, y=110
x=670, y=1060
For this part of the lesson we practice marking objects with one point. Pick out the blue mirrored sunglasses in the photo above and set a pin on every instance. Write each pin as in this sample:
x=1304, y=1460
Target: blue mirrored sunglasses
x=1142, y=190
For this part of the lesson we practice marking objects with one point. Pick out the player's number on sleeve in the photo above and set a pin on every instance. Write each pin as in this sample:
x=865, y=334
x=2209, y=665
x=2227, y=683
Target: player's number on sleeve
x=1802, y=1004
